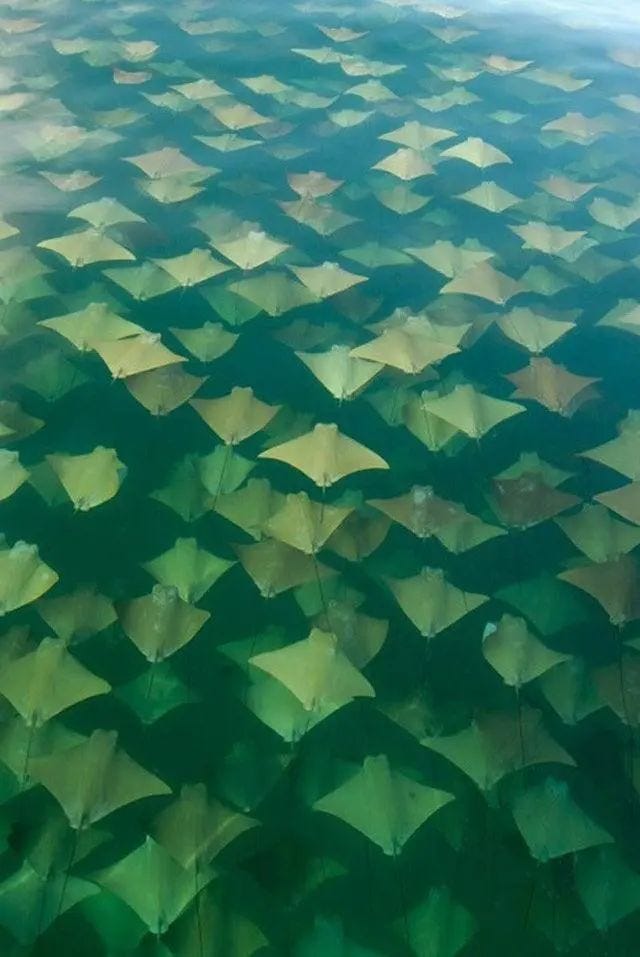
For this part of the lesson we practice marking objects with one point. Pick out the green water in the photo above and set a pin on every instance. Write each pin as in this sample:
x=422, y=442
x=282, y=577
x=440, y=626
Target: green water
x=278, y=689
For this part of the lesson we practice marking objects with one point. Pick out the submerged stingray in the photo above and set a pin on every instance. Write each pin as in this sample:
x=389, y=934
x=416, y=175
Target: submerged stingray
x=89, y=480
x=471, y=411
x=192, y=571
x=24, y=577
x=552, y=386
x=276, y=567
x=485, y=282
x=408, y=348
x=515, y=653
x=431, y=602
x=340, y=372
x=532, y=330
x=135, y=354
x=251, y=250
x=192, y=268
x=326, y=280
x=162, y=390
x=325, y=455
x=615, y=585
x=475, y=151
x=77, y=615
x=161, y=623
x=623, y=452
x=95, y=323
x=599, y=536
x=86, y=247
x=250, y=507
x=526, y=501
x=236, y=416
x=305, y=524
x=12, y=474
x=207, y=342
x=623, y=501
x=385, y=806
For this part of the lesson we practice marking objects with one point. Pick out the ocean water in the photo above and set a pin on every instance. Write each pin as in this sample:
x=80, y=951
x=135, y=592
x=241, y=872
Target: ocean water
x=319, y=479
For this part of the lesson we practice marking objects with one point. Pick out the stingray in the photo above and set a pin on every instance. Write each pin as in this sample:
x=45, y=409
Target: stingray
x=316, y=671
x=622, y=453
x=280, y=710
x=46, y=681
x=515, y=653
x=313, y=184
x=136, y=354
x=374, y=255
x=250, y=507
x=623, y=501
x=89, y=480
x=161, y=623
x=305, y=524
x=545, y=238
x=553, y=386
x=420, y=511
x=94, y=778
x=552, y=823
x=238, y=116
x=143, y=282
x=359, y=536
x=438, y=926
x=570, y=691
x=251, y=250
x=71, y=182
x=232, y=308
x=236, y=416
x=400, y=199
x=163, y=390
x=615, y=585
x=12, y=474
x=599, y=536
x=86, y=247
x=485, y=282
x=431, y=603
x=275, y=567
x=527, y=500
x=273, y=293
x=207, y=342
x=606, y=885
x=385, y=806
x=192, y=571
x=406, y=164
x=360, y=637
x=105, y=212
x=431, y=430
x=30, y=902
x=24, y=577
x=497, y=743
x=192, y=268
x=564, y=188
x=491, y=197
x=475, y=151
x=326, y=280
x=612, y=214
x=167, y=161
x=417, y=136
x=221, y=922
x=531, y=463
x=341, y=373
x=194, y=828
x=471, y=411
x=77, y=615
x=15, y=423
x=325, y=455
x=153, y=884
x=624, y=316
x=535, y=332
x=323, y=218
x=408, y=348
x=185, y=492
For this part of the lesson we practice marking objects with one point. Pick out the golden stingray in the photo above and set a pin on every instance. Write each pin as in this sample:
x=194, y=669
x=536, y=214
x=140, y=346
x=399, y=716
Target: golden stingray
x=533, y=331
x=409, y=348
x=427, y=427
x=136, y=354
x=192, y=268
x=417, y=136
x=96, y=322
x=162, y=390
x=173, y=189
x=502, y=64
x=420, y=511
x=143, y=282
x=622, y=453
x=325, y=455
x=431, y=602
x=251, y=250
x=250, y=507
x=599, y=536
x=341, y=373
x=570, y=691
x=313, y=184
x=273, y=292
x=474, y=150
x=471, y=411
x=614, y=215
x=94, y=778
x=406, y=164
x=86, y=247
x=552, y=386
x=485, y=282
x=360, y=637
x=624, y=316
x=490, y=196
x=23, y=576
x=164, y=162
x=316, y=671
x=564, y=188
x=46, y=681
x=305, y=524
x=623, y=501
x=359, y=536
x=236, y=416
x=105, y=212
x=532, y=463
x=71, y=182
x=615, y=585
x=161, y=623
x=385, y=806
x=400, y=198
x=275, y=567
x=191, y=570
x=515, y=653
x=280, y=710
x=89, y=480
x=208, y=342
x=462, y=531
x=499, y=743
x=329, y=279
x=527, y=500
x=195, y=828
x=238, y=116
x=546, y=238
x=12, y=473
x=77, y=615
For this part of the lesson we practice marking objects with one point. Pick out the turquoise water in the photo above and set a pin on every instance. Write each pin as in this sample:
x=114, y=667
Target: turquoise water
x=319, y=480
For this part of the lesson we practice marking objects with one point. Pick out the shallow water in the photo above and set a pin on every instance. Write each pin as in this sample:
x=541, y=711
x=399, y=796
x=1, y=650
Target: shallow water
x=267, y=688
